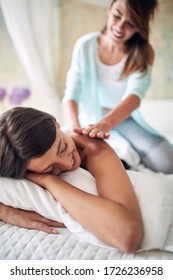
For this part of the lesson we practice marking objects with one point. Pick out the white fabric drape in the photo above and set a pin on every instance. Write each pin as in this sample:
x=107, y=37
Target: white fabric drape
x=32, y=25
x=97, y=2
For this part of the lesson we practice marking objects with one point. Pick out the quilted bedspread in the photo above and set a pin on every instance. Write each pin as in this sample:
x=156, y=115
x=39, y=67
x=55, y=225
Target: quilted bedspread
x=22, y=244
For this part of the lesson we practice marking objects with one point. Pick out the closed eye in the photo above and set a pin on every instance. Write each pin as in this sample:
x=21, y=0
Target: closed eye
x=131, y=24
x=48, y=170
x=117, y=17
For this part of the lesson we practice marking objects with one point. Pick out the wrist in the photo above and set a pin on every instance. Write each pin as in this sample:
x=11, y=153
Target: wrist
x=47, y=180
x=106, y=123
x=75, y=124
x=3, y=212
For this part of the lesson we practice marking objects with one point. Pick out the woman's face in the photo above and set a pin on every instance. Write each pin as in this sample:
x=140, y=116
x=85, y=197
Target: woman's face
x=120, y=27
x=62, y=156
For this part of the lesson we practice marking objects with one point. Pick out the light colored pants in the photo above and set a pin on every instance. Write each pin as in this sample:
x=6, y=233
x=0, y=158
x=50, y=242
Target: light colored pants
x=155, y=152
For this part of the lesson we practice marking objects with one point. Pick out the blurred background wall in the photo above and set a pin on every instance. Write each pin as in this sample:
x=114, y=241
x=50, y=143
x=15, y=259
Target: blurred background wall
x=78, y=17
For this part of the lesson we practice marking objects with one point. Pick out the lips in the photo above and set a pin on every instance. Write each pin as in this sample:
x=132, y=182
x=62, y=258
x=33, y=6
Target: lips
x=117, y=35
x=75, y=160
x=72, y=161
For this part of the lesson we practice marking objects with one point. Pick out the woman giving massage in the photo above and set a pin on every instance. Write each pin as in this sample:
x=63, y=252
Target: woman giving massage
x=33, y=146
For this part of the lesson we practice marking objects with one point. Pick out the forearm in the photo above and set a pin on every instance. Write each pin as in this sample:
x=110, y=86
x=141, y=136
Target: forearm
x=111, y=119
x=121, y=112
x=2, y=211
x=108, y=220
x=71, y=111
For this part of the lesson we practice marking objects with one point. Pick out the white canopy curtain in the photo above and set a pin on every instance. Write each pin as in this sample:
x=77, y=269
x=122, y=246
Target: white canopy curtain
x=32, y=25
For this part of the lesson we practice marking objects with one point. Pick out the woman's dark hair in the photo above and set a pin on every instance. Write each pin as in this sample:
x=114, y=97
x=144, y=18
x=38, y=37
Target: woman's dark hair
x=24, y=133
x=138, y=49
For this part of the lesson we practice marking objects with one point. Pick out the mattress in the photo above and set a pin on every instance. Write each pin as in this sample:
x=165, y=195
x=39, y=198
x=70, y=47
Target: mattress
x=22, y=244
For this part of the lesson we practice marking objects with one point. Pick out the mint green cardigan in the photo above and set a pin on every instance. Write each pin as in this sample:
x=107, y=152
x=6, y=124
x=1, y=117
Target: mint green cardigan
x=82, y=83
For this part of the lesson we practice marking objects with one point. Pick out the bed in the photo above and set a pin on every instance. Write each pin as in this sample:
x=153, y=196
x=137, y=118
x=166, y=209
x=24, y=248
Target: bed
x=22, y=244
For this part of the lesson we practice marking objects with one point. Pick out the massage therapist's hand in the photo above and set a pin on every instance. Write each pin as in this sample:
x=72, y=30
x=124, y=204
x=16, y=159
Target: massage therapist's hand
x=98, y=130
x=27, y=219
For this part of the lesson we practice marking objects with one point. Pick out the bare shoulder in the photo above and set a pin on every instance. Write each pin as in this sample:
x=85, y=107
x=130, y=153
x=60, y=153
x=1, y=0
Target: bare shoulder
x=83, y=142
x=90, y=148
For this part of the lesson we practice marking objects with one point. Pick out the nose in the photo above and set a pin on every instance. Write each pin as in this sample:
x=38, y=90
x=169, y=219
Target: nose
x=121, y=25
x=61, y=166
x=66, y=162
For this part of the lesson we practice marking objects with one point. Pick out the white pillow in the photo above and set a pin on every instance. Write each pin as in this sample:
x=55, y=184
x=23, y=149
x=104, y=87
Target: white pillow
x=154, y=192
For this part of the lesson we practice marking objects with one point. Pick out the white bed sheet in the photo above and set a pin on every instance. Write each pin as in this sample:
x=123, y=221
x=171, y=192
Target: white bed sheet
x=18, y=243
x=22, y=244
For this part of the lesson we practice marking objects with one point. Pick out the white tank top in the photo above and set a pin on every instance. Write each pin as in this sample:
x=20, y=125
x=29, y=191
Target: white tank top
x=110, y=88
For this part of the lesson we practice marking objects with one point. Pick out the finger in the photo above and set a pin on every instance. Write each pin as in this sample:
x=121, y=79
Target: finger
x=43, y=227
x=54, y=223
x=87, y=130
x=77, y=130
x=92, y=134
x=100, y=134
x=106, y=136
x=39, y=218
x=96, y=133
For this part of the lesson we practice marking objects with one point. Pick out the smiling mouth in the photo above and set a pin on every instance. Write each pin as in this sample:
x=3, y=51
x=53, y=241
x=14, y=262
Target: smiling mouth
x=72, y=161
x=119, y=36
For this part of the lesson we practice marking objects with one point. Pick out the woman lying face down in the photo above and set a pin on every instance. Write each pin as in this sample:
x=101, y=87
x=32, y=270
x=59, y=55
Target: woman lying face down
x=33, y=146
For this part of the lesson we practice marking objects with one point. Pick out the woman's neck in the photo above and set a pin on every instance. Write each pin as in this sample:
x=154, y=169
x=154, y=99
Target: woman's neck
x=109, y=53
